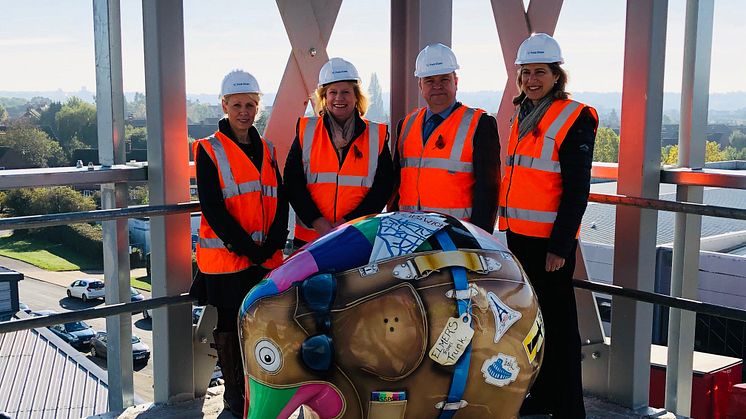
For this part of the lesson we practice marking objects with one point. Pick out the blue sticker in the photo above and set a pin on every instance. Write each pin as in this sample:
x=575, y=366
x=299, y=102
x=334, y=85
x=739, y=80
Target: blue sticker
x=500, y=370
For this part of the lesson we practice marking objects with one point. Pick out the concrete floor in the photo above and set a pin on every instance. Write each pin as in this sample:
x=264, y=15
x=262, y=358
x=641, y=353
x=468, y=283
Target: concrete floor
x=212, y=407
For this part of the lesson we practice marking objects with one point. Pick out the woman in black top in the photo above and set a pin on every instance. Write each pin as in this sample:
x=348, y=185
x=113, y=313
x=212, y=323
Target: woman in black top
x=542, y=216
x=240, y=100
x=341, y=105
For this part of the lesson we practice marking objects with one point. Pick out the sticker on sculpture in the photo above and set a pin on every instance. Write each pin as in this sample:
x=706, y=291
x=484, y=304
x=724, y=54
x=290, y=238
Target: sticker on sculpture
x=535, y=338
x=504, y=315
x=500, y=370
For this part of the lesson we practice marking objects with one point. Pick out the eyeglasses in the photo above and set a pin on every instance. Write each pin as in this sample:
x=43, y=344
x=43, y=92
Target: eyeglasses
x=318, y=294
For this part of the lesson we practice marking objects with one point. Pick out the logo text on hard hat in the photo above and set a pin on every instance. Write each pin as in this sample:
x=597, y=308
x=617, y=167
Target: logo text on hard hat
x=435, y=63
x=536, y=52
x=339, y=71
x=242, y=84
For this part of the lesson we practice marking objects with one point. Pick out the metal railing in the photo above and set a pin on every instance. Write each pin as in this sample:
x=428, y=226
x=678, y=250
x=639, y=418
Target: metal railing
x=93, y=313
x=159, y=210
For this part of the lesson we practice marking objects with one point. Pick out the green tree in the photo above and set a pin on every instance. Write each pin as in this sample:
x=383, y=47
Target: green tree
x=136, y=108
x=737, y=139
x=670, y=153
x=731, y=153
x=261, y=121
x=54, y=200
x=198, y=112
x=606, y=148
x=77, y=118
x=49, y=115
x=136, y=137
x=138, y=195
x=375, y=106
x=37, y=149
x=3, y=114
x=713, y=152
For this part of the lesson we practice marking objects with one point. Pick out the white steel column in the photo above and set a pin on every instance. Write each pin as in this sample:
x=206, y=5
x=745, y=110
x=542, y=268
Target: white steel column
x=110, y=120
x=515, y=24
x=414, y=25
x=687, y=230
x=309, y=26
x=168, y=181
x=639, y=176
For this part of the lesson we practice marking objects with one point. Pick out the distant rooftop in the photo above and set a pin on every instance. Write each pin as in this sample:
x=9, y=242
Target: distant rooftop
x=599, y=219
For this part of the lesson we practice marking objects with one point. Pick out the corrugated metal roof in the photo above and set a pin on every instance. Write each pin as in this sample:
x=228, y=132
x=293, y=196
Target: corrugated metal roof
x=599, y=219
x=43, y=377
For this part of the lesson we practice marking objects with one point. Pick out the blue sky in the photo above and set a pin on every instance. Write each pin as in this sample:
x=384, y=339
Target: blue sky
x=48, y=45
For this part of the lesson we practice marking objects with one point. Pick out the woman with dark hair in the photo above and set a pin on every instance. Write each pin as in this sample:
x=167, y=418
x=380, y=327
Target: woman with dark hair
x=543, y=196
x=339, y=166
x=244, y=221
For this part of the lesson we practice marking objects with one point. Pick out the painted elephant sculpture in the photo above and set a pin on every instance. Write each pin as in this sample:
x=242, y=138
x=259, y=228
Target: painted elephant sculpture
x=399, y=315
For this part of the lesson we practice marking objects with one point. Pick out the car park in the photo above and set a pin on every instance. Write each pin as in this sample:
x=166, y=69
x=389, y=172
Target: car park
x=140, y=351
x=196, y=313
x=135, y=295
x=86, y=289
x=77, y=334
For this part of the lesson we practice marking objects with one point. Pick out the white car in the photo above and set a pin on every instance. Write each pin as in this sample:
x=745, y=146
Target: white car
x=85, y=289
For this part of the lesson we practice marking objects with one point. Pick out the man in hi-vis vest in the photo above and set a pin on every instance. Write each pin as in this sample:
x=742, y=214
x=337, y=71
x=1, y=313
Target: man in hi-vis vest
x=447, y=156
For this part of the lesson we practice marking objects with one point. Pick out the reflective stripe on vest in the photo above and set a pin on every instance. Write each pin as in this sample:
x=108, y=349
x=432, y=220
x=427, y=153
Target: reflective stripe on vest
x=337, y=187
x=333, y=177
x=460, y=213
x=450, y=161
x=250, y=202
x=215, y=243
x=528, y=215
x=545, y=162
x=532, y=187
x=437, y=163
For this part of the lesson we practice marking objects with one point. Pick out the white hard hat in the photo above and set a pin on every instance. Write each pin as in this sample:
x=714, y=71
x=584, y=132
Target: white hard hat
x=239, y=81
x=435, y=59
x=337, y=69
x=539, y=48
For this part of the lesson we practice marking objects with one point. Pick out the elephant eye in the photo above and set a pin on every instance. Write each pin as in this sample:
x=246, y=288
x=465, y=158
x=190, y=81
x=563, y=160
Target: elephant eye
x=268, y=355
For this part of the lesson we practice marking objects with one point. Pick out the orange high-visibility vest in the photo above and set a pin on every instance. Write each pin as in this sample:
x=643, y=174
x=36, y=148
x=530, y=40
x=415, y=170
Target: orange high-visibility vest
x=532, y=186
x=337, y=190
x=250, y=198
x=438, y=175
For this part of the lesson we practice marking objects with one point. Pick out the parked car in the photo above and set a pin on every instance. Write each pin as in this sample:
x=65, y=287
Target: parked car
x=85, y=289
x=135, y=295
x=196, y=313
x=77, y=334
x=140, y=351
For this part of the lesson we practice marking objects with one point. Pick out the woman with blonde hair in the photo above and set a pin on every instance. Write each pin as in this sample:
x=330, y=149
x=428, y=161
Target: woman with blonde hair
x=339, y=166
x=244, y=220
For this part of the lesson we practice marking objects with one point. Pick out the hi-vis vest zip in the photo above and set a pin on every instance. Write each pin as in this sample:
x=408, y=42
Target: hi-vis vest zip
x=531, y=188
x=250, y=197
x=337, y=190
x=438, y=176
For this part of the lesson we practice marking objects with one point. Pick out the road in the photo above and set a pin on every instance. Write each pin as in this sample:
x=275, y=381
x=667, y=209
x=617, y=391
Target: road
x=49, y=294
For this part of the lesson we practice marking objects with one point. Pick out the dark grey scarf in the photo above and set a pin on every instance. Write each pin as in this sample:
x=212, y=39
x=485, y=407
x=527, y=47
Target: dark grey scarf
x=529, y=114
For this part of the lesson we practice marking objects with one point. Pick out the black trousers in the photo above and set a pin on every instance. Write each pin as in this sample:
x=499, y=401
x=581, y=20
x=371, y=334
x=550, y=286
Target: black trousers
x=558, y=390
x=226, y=292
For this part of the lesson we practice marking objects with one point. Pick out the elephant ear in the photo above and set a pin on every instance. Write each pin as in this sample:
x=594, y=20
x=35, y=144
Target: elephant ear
x=384, y=335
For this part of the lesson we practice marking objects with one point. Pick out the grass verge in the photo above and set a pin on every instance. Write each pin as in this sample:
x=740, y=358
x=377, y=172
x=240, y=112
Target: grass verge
x=49, y=256
x=55, y=257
